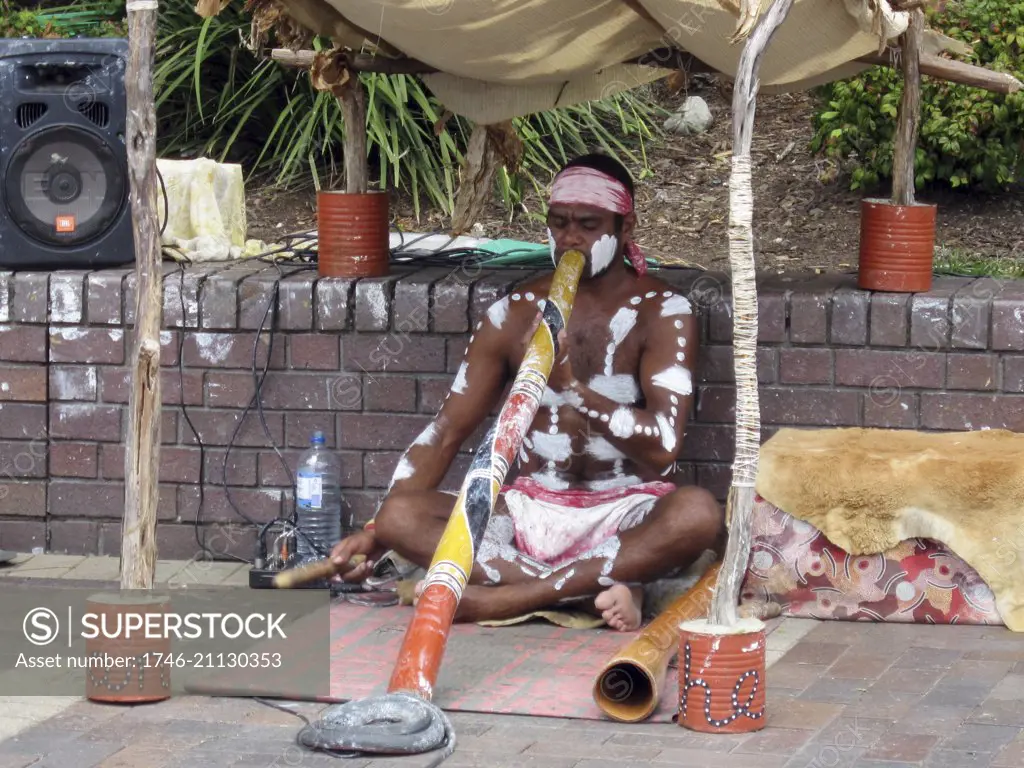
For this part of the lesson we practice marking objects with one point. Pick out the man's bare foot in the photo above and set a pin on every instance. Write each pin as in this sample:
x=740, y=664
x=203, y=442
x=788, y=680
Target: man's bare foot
x=620, y=607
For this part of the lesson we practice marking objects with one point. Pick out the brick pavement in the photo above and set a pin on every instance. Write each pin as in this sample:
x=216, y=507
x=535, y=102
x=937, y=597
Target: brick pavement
x=847, y=695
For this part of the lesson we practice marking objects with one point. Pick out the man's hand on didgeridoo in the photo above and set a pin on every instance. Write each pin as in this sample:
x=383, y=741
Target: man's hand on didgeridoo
x=362, y=543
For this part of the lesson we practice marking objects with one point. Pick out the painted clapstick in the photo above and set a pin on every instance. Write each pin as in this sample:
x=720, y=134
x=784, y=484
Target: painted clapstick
x=419, y=658
x=630, y=685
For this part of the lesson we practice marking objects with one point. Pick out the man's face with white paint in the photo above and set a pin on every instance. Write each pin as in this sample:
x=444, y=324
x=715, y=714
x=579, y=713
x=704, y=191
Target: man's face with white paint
x=588, y=230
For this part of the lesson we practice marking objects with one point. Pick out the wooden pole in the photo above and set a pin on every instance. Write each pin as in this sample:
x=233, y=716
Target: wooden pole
x=903, y=174
x=950, y=70
x=953, y=71
x=744, y=296
x=142, y=448
x=353, y=109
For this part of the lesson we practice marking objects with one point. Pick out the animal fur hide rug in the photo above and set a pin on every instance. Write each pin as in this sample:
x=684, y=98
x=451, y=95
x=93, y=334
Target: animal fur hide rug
x=867, y=490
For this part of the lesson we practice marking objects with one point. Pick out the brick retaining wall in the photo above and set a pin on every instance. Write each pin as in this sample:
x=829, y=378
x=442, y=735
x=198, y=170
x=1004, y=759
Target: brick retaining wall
x=370, y=361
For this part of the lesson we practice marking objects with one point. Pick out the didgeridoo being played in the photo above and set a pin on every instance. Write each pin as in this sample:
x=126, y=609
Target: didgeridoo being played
x=419, y=658
x=422, y=650
x=630, y=685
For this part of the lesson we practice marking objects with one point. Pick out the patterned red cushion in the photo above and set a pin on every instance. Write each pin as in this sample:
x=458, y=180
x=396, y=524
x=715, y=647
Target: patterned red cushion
x=920, y=581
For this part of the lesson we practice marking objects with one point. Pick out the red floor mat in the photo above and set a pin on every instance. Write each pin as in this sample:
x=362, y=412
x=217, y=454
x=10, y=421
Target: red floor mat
x=526, y=669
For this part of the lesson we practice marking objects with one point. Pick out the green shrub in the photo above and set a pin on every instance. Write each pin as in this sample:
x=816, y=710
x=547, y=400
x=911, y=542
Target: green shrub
x=968, y=137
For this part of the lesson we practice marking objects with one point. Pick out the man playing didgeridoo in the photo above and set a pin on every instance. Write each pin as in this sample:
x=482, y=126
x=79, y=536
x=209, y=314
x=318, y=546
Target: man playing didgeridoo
x=588, y=514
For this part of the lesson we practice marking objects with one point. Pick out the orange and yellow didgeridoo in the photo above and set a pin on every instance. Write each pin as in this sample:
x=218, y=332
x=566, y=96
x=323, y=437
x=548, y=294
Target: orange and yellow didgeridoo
x=423, y=647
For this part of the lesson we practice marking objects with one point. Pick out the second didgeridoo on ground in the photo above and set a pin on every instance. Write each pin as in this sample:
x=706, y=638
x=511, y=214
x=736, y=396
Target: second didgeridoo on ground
x=629, y=687
x=419, y=659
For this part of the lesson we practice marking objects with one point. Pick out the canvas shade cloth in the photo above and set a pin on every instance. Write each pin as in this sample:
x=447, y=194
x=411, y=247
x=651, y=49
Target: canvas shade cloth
x=509, y=58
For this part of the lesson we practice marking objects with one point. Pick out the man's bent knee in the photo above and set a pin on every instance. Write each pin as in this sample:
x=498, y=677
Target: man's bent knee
x=394, y=520
x=695, y=514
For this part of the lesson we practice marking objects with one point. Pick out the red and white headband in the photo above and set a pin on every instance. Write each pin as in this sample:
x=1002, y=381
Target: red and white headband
x=588, y=186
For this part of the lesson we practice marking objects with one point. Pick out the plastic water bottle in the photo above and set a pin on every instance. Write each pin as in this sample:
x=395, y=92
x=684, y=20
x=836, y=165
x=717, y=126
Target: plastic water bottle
x=318, y=500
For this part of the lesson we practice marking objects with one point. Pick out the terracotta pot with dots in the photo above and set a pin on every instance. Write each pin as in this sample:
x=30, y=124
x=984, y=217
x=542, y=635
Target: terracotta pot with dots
x=722, y=677
x=127, y=664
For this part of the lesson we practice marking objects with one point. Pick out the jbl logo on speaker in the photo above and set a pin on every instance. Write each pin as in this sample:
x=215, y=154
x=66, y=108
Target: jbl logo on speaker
x=65, y=224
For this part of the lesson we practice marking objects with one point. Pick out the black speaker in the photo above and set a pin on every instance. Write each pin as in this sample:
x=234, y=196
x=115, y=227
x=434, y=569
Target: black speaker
x=63, y=162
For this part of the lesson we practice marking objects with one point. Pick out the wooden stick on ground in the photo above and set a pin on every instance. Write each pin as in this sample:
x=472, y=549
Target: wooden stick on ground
x=744, y=297
x=903, y=173
x=142, y=449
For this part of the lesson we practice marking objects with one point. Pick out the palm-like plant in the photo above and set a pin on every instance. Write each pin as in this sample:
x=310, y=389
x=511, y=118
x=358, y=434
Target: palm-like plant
x=218, y=99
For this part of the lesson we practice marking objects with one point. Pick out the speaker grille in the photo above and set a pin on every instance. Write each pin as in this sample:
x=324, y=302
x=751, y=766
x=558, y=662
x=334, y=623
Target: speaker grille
x=28, y=114
x=95, y=112
x=64, y=185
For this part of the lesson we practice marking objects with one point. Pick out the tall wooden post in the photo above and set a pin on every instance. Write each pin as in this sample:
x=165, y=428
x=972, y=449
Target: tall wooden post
x=905, y=151
x=142, y=447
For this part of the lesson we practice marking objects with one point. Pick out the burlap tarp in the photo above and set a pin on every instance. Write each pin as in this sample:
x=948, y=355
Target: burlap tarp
x=504, y=59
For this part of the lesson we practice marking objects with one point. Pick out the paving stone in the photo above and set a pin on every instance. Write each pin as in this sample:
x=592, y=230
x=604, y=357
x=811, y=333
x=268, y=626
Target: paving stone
x=18, y=761
x=38, y=740
x=135, y=755
x=909, y=680
x=970, y=737
x=78, y=755
x=861, y=666
x=883, y=704
x=835, y=690
x=999, y=713
x=595, y=750
x=685, y=740
x=1010, y=688
x=405, y=761
x=945, y=758
x=996, y=654
x=300, y=758
x=704, y=759
x=504, y=744
x=490, y=761
x=905, y=747
x=927, y=658
x=965, y=671
x=813, y=652
x=817, y=755
x=805, y=715
x=784, y=674
x=964, y=694
x=852, y=732
x=1012, y=755
x=193, y=760
x=773, y=741
x=936, y=720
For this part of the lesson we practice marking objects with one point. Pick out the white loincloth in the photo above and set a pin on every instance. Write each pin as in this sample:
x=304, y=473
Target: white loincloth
x=556, y=527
